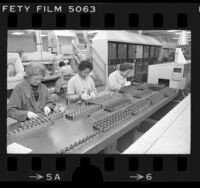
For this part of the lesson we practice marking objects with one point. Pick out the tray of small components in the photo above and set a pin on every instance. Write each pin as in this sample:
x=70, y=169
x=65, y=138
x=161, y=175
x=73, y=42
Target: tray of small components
x=143, y=87
x=33, y=124
x=115, y=118
x=139, y=106
x=143, y=93
x=117, y=104
x=156, y=87
x=156, y=97
x=101, y=100
x=167, y=92
x=81, y=111
x=111, y=120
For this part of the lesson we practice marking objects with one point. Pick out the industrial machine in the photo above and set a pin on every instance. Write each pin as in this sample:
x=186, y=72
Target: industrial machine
x=175, y=74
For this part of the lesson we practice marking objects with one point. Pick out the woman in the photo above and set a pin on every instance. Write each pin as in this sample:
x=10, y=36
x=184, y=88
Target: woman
x=117, y=80
x=31, y=96
x=81, y=86
x=61, y=83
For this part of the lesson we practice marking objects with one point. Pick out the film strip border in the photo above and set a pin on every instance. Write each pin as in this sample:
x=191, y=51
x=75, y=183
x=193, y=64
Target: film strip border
x=104, y=16
x=107, y=16
x=142, y=168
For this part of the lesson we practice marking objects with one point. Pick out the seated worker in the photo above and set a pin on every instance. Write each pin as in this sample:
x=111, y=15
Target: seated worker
x=68, y=67
x=81, y=86
x=31, y=96
x=61, y=64
x=65, y=65
x=117, y=80
x=61, y=83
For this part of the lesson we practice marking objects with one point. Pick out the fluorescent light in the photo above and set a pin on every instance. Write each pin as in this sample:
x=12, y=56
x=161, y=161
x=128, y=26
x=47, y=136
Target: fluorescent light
x=171, y=31
x=17, y=33
x=30, y=30
x=92, y=32
x=43, y=35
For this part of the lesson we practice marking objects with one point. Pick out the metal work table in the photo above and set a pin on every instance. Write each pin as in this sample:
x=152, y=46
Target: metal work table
x=64, y=132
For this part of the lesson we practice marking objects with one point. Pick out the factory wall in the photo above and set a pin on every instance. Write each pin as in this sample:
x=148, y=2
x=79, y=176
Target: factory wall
x=21, y=43
x=45, y=44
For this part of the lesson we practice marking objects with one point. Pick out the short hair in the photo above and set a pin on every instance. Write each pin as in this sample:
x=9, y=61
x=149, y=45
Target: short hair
x=35, y=68
x=126, y=66
x=61, y=64
x=85, y=65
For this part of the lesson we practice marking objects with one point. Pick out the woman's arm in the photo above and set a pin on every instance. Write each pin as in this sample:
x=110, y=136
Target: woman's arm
x=14, y=107
x=71, y=94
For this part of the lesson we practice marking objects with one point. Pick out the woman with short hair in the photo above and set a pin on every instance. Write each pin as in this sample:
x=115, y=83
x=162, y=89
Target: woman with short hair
x=81, y=86
x=117, y=80
x=31, y=96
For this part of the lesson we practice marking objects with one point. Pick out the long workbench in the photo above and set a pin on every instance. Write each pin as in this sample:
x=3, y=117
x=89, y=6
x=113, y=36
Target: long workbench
x=63, y=132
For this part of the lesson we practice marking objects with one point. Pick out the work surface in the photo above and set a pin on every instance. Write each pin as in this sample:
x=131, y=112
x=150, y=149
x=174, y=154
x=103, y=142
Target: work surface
x=170, y=135
x=64, y=132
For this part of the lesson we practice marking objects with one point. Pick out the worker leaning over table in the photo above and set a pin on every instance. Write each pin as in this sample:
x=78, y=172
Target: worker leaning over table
x=81, y=86
x=31, y=96
x=117, y=80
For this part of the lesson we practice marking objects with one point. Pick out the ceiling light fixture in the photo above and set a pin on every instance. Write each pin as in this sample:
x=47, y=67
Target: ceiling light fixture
x=17, y=33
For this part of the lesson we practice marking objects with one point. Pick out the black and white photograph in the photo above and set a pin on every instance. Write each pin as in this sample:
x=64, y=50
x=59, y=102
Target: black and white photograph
x=99, y=92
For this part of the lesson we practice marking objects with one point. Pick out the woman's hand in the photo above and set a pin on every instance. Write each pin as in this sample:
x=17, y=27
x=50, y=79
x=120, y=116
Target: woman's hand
x=31, y=115
x=128, y=83
x=47, y=110
x=93, y=95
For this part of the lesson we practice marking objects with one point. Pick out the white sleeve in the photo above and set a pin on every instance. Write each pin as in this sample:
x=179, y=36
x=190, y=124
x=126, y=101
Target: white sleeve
x=93, y=86
x=113, y=83
x=70, y=87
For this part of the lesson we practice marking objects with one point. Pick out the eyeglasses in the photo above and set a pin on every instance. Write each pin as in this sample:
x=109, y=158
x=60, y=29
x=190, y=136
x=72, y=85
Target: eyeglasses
x=85, y=73
x=37, y=78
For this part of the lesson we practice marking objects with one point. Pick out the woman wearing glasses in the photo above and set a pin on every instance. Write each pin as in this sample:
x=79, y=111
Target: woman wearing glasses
x=31, y=96
x=81, y=86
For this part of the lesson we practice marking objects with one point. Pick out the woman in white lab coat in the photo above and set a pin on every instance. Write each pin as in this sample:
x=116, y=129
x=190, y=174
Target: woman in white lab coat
x=81, y=86
x=117, y=80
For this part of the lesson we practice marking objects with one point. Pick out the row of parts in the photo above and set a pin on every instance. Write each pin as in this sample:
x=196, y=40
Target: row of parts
x=115, y=118
x=113, y=106
x=91, y=106
x=101, y=99
x=107, y=122
x=82, y=111
x=41, y=120
x=152, y=87
x=143, y=93
x=80, y=142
